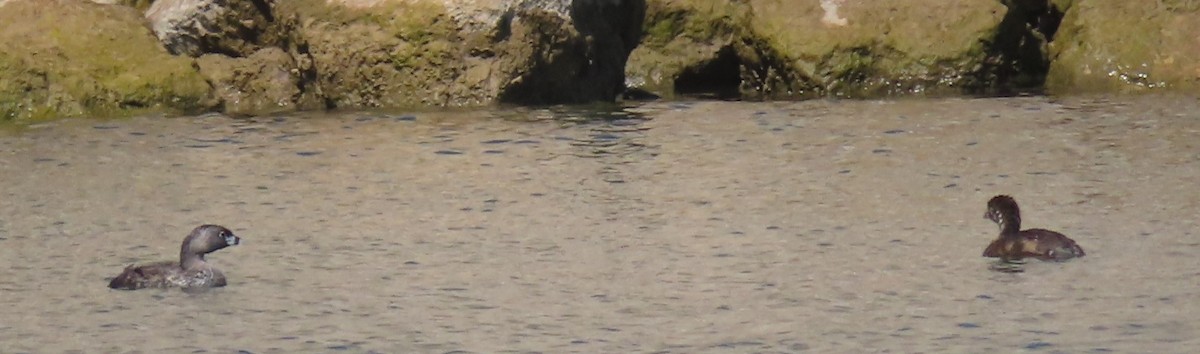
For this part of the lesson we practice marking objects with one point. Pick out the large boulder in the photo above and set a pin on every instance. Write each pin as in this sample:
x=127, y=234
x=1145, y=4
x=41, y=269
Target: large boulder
x=869, y=48
x=232, y=27
x=468, y=52
x=705, y=46
x=401, y=53
x=797, y=49
x=1125, y=46
x=78, y=58
x=266, y=82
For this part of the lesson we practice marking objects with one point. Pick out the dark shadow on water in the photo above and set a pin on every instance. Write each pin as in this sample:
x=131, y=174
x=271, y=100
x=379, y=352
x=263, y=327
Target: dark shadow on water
x=1008, y=266
x=599, y=112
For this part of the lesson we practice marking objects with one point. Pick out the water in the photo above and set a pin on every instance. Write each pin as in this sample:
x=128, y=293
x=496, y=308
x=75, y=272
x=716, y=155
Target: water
x=819, y=226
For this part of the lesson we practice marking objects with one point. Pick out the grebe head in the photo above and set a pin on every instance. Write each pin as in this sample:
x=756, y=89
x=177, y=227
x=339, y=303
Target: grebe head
x=999, y=206
x=1003, y=210
x=205, y=239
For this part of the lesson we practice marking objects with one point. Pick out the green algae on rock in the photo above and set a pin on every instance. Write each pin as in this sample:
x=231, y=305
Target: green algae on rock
x=1125, y=47
x=66, y=58
x=265, y=82
x=773, y=49
x=458, y=53
x=399, y=54
x=387, y=55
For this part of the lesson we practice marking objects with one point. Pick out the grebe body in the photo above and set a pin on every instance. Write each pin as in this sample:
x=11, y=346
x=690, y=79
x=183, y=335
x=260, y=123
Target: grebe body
x=1014, y=243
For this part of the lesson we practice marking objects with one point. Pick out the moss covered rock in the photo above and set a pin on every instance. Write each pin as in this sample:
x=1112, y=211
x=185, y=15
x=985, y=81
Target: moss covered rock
x=788, y=49
x=693, y=46
x=265, y=82
x=1125, y=46
x=865, y=48
x=392, y=53
x=76, y=58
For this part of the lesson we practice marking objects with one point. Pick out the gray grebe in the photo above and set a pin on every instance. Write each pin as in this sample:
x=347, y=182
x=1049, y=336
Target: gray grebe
x=190, y=272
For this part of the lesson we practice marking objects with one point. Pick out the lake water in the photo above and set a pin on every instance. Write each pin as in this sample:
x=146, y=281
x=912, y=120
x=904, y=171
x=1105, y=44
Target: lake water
x=680, y=227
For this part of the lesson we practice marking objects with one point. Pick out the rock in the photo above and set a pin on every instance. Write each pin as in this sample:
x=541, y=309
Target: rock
x=696, y=47
x=265, y=82
x=797, y=49
x=403, y=53
x=77, y=58
x=570, y=53
x=464, y=52
x=195, y=27
x=382, y=54
x=1125, y=46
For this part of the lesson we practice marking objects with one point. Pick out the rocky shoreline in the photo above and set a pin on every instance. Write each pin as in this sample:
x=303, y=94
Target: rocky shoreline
x=67, y=58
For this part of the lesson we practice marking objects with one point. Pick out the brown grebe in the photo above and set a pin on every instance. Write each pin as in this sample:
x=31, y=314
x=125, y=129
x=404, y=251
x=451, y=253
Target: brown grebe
x=1014, y=243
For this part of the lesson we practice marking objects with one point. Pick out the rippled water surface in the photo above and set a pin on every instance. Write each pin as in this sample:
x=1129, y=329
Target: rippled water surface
x=818, y=226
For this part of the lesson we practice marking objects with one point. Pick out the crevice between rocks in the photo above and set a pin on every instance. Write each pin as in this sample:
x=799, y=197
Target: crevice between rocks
x=718, y=78
x=1018, y=59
